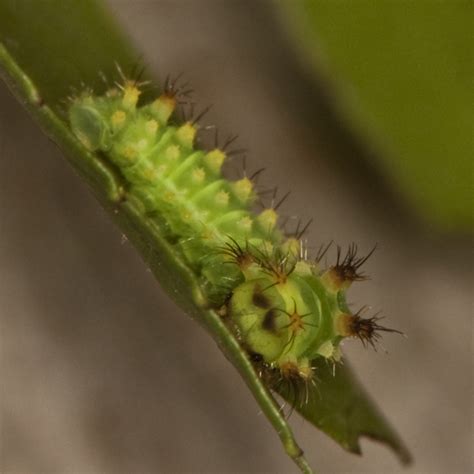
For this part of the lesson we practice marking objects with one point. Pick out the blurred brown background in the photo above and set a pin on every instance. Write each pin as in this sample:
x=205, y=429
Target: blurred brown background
x=101, y=373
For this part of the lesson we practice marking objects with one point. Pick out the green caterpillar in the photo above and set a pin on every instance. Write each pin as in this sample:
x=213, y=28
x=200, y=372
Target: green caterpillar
x=285, y=310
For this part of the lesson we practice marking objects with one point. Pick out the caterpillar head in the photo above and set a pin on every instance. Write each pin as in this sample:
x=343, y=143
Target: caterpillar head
x=94, y=120
x=89, y=126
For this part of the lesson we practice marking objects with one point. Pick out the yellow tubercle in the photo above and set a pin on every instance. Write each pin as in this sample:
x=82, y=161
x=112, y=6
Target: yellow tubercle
x=326, y=350
x=245, y=223
x=142, y=144
x=343, y=324
x=243, y=189
x=163, y=107
x=172, y=152
x=291, y=368
x=267, y=247
x=169, y=196
x=296, y=324
x=186, y=215
x=214, y=160
x=334, y=281
x=291, y=246
x=118, y=118
x=305, y=371
x=337, y=354
x=186, y=134
x=130, y=153
x=303, y=268
x=198, y=175
x=222, y=198
x=267, y=219
x=130, y=96
x=149, y=174
x=151, y=127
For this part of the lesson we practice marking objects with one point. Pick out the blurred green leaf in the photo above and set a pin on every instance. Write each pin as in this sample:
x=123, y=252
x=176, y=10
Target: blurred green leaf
x=63, y=44
x=403, y=73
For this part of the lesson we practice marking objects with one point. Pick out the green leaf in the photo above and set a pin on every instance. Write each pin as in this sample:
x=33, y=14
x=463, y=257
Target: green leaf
x=49, y=46
x=402, y=73
x=63, y=44
x=341, y=408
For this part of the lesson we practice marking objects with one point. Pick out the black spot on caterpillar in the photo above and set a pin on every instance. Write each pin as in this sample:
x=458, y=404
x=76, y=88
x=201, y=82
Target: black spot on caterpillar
x=269, y=320
x=286, y=310
x=260, y=300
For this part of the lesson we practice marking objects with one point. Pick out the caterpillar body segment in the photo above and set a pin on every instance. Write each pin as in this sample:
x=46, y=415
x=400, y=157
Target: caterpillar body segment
x=283, y=308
